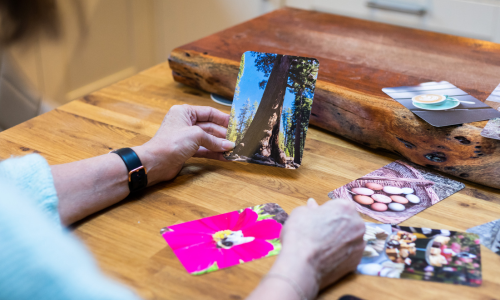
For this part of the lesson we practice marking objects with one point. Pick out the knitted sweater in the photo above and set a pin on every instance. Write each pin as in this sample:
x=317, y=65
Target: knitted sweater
x=38, y=258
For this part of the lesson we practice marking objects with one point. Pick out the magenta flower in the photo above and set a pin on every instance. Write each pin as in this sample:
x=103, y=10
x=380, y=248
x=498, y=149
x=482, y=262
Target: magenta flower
x=477, y=241
x=226, y=239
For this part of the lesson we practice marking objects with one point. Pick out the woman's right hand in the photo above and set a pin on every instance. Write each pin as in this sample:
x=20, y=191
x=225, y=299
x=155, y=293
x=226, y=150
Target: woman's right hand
x=320, y=244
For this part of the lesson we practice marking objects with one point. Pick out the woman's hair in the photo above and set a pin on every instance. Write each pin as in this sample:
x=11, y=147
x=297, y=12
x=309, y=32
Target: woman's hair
x=21, y=19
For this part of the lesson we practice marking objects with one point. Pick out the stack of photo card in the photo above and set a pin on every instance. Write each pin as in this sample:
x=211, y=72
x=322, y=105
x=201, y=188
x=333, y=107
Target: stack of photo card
x=397, y=191
x=222, y=241
x=421, y=254
x=271, y=109
x=489, y=234
x=442, y=103
x=492, y=128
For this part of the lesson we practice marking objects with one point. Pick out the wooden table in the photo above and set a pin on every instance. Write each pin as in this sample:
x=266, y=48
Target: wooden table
x=126, y=238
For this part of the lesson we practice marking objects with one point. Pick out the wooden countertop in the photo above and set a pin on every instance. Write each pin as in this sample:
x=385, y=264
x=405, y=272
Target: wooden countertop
x=126, y=240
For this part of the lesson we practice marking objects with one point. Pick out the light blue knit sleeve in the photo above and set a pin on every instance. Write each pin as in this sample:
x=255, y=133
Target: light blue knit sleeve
x=32, y=175
x=38, y=260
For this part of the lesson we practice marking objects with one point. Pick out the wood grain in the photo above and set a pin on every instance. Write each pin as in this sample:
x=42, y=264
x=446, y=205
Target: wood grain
x=126, y=240
x=357, y=59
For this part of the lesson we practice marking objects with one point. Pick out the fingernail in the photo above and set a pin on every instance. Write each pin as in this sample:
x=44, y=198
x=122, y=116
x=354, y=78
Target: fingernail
x=311, y=202
x=228, y=145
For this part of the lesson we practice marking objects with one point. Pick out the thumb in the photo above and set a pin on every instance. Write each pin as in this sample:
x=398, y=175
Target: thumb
x=312, y=203
x=214, y=143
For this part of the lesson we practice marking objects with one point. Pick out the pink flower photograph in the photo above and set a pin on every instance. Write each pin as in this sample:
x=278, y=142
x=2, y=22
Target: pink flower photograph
x=228, y=239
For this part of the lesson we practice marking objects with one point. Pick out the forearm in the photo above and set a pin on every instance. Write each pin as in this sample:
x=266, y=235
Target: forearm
x=87, y=186
x=291, y=277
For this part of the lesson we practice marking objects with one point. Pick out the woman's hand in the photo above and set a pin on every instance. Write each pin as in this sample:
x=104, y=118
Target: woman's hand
x=87, y=186
x=320, y=244
x=186, y=131
x=328, y=237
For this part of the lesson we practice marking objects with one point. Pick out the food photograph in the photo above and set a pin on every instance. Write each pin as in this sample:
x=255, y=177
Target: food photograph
x=422, y=254
x=397, y=191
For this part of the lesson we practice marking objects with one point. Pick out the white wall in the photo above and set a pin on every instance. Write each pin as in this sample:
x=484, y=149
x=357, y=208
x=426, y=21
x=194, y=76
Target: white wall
x=181, y=22
x=478, y=19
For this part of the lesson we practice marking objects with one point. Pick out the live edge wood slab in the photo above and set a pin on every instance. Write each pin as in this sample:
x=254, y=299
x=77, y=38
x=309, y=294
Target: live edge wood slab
x=357, y=59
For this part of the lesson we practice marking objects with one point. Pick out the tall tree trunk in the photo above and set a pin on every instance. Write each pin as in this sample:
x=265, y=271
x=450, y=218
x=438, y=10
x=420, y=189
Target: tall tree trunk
x=263, y=133
x=298, y=130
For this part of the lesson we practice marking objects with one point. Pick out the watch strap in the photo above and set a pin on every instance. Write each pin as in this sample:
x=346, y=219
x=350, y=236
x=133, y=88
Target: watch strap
x=137, y=173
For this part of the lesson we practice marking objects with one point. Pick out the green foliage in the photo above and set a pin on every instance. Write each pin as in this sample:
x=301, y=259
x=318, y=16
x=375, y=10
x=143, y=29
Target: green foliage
x=245, y=118
x=254, y=109
x=305, y=108
x=240, y=74
x=265, y=216
x=288, y=131
x=303, y=73
x=277, y=247
x=264, y=62
x=302, y=81
x=251, y=114
x=232, y=133
x=212, y=268
x=281, y=140
x=258, y=209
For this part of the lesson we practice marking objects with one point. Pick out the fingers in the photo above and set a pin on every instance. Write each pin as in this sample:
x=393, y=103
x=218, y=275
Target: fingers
x=211, y=142
x=205, y=153
x=207, y=114
x=213, y=129
x=312, y=203
x=341, y=203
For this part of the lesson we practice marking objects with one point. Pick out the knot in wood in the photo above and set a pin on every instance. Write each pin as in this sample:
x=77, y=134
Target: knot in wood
x=436, y=156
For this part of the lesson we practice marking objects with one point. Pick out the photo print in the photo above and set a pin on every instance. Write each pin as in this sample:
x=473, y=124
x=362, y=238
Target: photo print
x=492, y=128
x=421, y=254
x=225, y=240
x=442, y=103
x=397, y=191
x=489, y=234
x=271, y=108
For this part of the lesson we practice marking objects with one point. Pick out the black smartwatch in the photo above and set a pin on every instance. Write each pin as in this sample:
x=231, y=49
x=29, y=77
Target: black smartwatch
x=137, y=173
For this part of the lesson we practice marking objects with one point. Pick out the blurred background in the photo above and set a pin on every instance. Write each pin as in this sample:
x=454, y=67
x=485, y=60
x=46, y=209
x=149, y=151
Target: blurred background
x=104, y=41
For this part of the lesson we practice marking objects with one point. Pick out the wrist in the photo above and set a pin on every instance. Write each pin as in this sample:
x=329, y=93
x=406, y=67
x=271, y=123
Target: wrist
x=298, y=267
x=149, y=162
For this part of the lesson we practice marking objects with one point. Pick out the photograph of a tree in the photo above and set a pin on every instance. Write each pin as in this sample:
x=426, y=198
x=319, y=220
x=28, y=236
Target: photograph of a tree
x=271, y=108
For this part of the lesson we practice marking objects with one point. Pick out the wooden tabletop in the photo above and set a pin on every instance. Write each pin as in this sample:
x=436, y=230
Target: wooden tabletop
x=126, y=240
